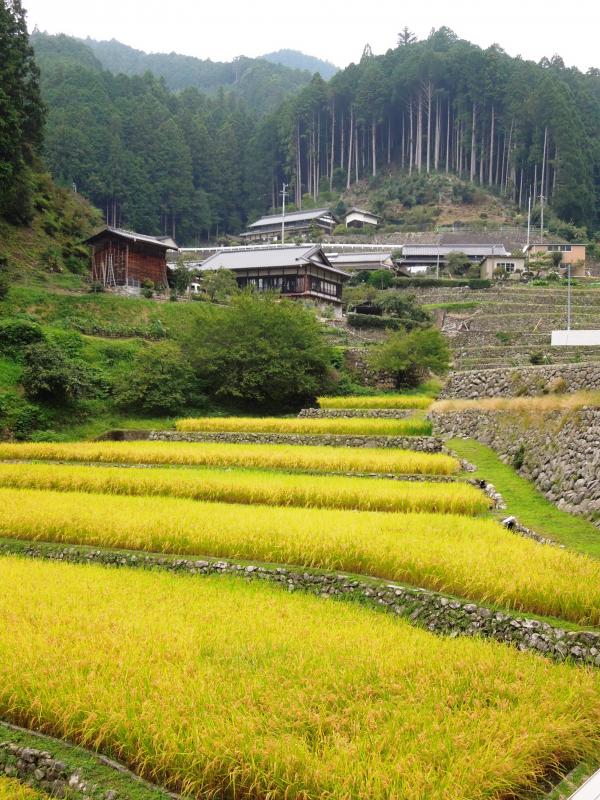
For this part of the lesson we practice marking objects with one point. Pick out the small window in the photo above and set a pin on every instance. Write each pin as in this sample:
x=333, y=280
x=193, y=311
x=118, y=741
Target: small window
x=509, y=266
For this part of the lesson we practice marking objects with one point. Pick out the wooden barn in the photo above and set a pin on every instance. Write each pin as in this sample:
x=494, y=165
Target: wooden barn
x=127, y=259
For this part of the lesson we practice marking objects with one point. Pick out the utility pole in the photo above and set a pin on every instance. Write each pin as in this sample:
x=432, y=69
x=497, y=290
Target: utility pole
x=437, y=265
x=569, y=297
x=284, y=194
x=542, y=199
x=529, y=224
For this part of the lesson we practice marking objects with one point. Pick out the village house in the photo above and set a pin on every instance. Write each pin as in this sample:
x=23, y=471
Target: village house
x=297, y=223
x=571, y=254
x=300, y=272
x=122, y=258
x=416, y=257
x=511, y=267
x=358, y=218
x=361, y=262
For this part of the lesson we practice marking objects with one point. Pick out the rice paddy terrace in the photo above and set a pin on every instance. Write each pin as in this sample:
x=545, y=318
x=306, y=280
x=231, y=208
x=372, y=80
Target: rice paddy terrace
x=216, y=610
x=508, y=324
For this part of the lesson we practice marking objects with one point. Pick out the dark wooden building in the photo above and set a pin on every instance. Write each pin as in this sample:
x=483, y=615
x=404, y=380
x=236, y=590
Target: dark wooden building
x=301, y=272
x=125, y=258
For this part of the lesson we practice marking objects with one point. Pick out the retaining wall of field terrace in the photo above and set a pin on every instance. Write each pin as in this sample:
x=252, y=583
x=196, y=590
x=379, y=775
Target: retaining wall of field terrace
x=424, y=444
x=364, y=413
x=522, y=381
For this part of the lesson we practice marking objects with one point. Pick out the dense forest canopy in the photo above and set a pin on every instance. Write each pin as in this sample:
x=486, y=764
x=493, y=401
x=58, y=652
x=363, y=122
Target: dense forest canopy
x=21, y=114
x=186, y=164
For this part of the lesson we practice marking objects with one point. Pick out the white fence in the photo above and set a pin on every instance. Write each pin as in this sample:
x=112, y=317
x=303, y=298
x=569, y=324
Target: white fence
x=576, y=338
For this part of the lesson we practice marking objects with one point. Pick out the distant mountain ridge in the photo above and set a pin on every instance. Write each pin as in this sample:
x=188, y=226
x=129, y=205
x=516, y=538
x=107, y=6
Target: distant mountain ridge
x=295, y=59
x=264, y=84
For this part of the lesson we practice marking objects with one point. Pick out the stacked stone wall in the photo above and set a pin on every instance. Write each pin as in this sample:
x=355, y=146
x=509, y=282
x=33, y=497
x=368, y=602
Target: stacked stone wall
x=509, y=382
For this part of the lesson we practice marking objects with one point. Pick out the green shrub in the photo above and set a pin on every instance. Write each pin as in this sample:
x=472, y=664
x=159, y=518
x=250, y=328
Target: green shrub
x=52, y=375
x=158, y=380
x=16, y=334
x=371, y=321
x=410, y=357
x=479, y=283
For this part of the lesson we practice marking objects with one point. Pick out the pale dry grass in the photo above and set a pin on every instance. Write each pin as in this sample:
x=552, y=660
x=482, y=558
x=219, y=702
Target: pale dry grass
x=219, y=688
x=348, y=426
x=421, y=401
x=253, y=487
x=473, y=558
x=218, y=454
x=536, y=405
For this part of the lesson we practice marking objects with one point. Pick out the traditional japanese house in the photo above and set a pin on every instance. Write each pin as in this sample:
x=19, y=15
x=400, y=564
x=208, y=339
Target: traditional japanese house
x=124, y=258
x=300, y=272
x=296, y=223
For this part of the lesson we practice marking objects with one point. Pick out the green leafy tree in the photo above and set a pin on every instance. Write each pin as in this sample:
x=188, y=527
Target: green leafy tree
x=52, y=375
x=159, y=380
x=458, y=263
x=410, y=357
x=261, y=352
x=219, y=284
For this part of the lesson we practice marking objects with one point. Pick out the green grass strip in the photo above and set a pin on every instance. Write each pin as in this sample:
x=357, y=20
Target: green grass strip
x=526, y=502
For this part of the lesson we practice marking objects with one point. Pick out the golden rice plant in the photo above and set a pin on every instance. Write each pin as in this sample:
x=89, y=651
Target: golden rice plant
x=421, y=401
x=13, y=790
x=534, y=405
x=473, y=558
x=353, y=426
x=253, y=487
x=218, y=454
x=218, y=688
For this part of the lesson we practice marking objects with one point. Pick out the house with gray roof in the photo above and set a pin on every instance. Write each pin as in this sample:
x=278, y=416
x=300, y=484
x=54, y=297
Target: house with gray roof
x=297, y=223
x=300, y=272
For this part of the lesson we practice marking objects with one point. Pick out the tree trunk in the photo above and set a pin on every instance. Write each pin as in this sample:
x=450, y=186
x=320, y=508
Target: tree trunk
x=491, y=170
x=429, y=90
x=374, y=146
x=473, y=143
x=411, y=138
x=332, y=154
x=420, y=133
x=448, y=139
x=403, y=142
x=389, y=142
x=349, y=175
x=436, y=149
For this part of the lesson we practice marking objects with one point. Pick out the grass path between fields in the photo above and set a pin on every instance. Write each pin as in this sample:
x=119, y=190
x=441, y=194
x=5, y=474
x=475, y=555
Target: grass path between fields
x=526, y=503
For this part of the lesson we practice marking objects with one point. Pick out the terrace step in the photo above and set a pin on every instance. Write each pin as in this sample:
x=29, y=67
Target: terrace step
x=366, y=413
x=424, y=444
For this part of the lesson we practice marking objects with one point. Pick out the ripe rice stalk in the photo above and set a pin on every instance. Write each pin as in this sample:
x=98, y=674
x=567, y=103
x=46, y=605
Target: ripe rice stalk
x=253, y=487
x=421, y=401
x=354, y=426
x=14, y=790
x=534, y=405
x=221, y=688
x=218, y=454
x=472, y=558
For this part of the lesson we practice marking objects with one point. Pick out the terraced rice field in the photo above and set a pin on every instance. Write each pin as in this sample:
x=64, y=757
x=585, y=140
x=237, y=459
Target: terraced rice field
x=218, y=688
x=282, y=457
x=417, y=401
x=252, y=487
x=357, y=426
x=468, y=557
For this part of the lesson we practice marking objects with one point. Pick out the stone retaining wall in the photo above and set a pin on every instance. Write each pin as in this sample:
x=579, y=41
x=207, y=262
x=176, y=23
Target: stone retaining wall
x=366, y=413
x=521, y=381
x=430, y=610
x=559, y=451
x=425, y=444
x=39, y=769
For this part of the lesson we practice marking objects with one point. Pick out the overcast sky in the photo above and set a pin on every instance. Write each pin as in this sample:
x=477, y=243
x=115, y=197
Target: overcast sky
x=336, y=31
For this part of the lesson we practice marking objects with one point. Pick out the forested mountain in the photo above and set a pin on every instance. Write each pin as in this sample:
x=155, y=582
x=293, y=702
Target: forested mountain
x=185, y=163
x=263, y=85
x=297, y=60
